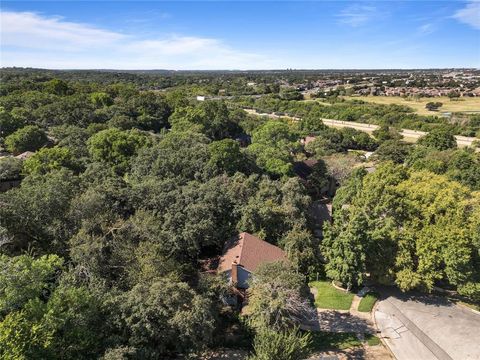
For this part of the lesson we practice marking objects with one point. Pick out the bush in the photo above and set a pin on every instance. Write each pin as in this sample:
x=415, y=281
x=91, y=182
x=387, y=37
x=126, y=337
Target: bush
x=470, y=290
x=433, y=106
x=280, y=345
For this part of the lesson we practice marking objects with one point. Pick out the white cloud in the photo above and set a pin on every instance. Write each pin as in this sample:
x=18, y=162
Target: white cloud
x=470, y=14
x=426, y=29
x=357, y=15
x=32, y=40
x=26, y=29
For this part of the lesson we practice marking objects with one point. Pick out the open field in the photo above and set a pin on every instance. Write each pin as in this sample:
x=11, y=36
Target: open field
x=463, y=104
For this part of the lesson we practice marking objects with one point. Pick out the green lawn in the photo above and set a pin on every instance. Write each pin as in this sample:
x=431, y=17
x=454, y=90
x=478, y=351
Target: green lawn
x=372, y=340
x=367, y=302
x=328, y=297
x=333, y=341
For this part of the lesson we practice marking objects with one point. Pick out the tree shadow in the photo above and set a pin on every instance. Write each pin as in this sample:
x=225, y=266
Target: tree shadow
x=415, y=296
x=357, y=353
x=334, y=321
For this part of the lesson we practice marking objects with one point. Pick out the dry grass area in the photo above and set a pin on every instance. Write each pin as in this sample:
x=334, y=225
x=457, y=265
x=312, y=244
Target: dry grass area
x=462, y=104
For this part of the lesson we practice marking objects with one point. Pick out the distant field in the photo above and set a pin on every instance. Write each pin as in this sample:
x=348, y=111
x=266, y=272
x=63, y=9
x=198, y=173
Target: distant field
x=463, y=104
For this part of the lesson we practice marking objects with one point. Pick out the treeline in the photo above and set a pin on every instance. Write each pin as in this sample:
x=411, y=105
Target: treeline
x=126, y=194
x=399, y=116
x=196, y=83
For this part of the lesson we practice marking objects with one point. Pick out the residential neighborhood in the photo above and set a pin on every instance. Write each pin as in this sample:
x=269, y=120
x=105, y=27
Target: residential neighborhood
x=240, y=180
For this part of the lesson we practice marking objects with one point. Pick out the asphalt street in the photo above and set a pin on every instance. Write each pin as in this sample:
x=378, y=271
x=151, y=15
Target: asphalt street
x=419, y=327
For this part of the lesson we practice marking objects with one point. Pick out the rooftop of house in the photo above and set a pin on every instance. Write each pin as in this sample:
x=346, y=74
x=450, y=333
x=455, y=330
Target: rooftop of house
x=24, y=155
x=249, y=252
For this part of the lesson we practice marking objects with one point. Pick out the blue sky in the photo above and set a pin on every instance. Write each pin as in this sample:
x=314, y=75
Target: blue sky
x=240, y=35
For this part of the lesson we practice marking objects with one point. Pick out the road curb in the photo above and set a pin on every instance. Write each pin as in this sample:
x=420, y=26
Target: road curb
x=468, y=308
x=384, y=343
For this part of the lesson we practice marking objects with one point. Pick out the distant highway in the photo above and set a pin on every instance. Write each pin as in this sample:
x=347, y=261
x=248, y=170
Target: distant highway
x=408, y=135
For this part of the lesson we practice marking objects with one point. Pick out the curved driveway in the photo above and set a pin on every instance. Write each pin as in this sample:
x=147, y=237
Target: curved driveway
x=419, y=327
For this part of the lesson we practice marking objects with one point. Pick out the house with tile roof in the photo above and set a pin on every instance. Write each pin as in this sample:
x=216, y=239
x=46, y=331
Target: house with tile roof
x=243, y=254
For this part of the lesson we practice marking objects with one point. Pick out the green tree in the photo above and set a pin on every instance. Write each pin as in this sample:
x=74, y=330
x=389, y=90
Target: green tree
x=344, y=250
x=211, y=118
x=101, y=99
x=48, y=159
x=303, y=250
x=165, y=317
x=178, y=155
x=36, y=213
x=385, y=133
x=10, y=168
x=57, y=87
x=23, y=278
x=72, y=137
x=326, y=142
x=226, y=156
x=272, y=145
x=392, y=150
x=274, y=209
x=277, y=298
x=116, y=147
x=61, y=328
x=282, y=345
x=8, y=123
x=440, y=139
x=28, y=138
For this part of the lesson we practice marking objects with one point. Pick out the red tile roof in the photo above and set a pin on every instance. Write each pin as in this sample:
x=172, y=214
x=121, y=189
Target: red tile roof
x=249, y=251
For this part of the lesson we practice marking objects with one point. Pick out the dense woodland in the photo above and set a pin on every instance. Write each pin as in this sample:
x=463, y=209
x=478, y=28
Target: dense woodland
x=130, y=190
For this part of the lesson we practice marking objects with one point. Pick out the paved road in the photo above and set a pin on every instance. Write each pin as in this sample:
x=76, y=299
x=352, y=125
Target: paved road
x=428, y=328
x=408, y=135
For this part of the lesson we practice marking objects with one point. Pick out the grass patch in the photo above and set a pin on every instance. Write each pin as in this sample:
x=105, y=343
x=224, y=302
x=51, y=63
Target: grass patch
x=328, y=297
x=470, y=305
x=463, y=104
x=367, y=302
x=333, y=341
x=372, y=340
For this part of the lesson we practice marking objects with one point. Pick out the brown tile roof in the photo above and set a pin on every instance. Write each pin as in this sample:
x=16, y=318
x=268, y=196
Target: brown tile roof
x=249, y=251
x=24, y=155
x=308, y=139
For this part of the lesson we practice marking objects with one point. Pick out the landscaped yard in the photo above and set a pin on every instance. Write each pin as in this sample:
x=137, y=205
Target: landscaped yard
x=367, y=302
x=327, y=297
